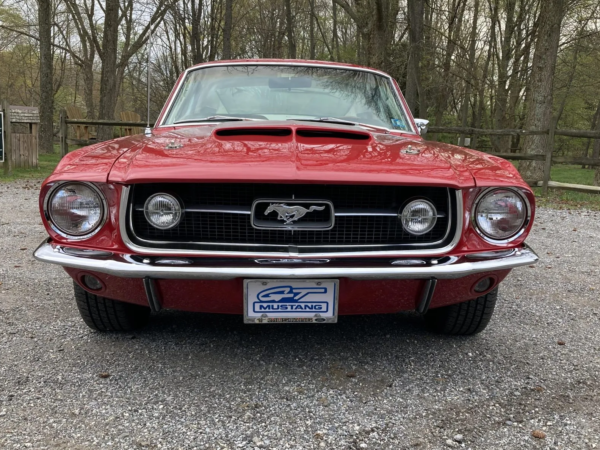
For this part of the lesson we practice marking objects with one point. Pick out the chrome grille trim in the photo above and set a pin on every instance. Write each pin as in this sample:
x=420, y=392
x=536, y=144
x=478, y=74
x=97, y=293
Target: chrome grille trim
x=125, y=216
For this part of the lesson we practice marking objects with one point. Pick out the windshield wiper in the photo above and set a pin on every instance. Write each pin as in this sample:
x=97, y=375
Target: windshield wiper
x=215, y=119
x=343, y=122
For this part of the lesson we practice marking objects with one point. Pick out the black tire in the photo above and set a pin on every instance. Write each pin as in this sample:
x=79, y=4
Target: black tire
x=463, y=319
x=104, y=314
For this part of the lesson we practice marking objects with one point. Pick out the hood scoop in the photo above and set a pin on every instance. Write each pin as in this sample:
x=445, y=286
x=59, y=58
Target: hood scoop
x=333, y=134
x=240, y=132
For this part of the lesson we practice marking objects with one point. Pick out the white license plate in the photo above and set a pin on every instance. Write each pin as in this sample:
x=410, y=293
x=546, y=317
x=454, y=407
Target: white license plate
x=290, y=301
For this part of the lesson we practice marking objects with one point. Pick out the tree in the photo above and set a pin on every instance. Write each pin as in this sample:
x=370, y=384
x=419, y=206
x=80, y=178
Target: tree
x=227, y=29
x=120, y=22
x=539, y=105
x=46, y=131
x=416, y=10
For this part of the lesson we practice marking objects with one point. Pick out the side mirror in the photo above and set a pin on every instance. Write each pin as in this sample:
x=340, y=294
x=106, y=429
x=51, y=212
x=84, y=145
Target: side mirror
x=422, y=126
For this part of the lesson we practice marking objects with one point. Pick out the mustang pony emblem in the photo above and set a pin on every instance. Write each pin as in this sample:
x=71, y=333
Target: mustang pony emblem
x=291, y=213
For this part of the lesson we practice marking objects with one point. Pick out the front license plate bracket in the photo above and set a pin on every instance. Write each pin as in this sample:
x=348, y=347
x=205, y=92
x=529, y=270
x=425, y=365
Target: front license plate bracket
x=290, y=301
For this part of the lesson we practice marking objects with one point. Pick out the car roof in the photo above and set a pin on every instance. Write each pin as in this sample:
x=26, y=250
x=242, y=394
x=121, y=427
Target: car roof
x=298, y=62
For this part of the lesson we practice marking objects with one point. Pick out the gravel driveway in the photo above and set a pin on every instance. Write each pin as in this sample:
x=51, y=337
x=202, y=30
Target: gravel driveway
x=202, y=381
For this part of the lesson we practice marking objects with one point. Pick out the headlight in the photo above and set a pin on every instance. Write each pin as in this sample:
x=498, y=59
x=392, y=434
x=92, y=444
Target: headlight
x=162, y=211
x=500, y=214
x=419, y=217
x=75, y=209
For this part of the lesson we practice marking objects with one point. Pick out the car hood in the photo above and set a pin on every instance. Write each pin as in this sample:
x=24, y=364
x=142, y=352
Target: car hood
x=290, y=152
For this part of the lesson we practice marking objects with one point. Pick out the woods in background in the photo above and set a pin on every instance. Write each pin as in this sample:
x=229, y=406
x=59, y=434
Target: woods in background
x=501, y=64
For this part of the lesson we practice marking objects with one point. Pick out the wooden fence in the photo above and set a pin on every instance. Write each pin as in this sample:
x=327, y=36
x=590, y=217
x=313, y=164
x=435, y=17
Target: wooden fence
x=20, y=136
x=66, y=122
x=548, y=158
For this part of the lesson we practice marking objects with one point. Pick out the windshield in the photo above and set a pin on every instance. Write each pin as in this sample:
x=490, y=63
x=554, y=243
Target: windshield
x=288, y=92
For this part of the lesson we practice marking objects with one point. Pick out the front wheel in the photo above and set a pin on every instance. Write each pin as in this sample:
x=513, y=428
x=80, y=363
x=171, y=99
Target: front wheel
x=463, y=319
x=104, y=314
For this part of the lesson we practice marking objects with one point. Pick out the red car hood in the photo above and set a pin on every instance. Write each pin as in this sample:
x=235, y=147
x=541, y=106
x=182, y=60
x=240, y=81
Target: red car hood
x=284, y=152
x=310, y=153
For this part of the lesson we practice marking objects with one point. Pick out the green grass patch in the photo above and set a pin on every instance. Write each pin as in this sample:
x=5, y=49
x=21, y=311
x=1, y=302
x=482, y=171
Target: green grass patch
x=562, y=199
x=572, y=174
x=559, y=199
x=47, y=162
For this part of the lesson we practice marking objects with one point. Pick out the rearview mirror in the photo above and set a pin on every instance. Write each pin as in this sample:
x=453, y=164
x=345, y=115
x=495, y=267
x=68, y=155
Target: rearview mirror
x=422, y=126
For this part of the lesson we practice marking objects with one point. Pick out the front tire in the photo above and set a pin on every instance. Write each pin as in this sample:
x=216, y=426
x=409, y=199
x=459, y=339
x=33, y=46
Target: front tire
x=463, y=319
x=104, y=314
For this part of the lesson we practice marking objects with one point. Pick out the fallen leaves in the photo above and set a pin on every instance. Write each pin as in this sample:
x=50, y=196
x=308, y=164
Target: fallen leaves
x=538, y=434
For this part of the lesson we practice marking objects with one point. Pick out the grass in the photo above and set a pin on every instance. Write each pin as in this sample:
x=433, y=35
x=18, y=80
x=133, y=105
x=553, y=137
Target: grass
x=46, y=164
x=559, y=199
x=556, y=199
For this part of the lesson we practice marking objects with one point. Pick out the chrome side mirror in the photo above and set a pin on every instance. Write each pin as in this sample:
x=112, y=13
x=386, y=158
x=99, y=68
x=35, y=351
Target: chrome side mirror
x=422, y=126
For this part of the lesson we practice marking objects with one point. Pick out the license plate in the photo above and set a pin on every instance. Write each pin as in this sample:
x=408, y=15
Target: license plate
x=290, y=301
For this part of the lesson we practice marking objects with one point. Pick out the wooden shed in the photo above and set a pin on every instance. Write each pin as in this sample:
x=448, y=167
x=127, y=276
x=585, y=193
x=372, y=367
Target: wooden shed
x=21, y=124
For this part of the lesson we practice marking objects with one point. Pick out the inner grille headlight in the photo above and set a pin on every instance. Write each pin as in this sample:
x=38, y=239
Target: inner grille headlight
x=162, y=211
x=419, y=217
x=75, y=209
x=500, y=214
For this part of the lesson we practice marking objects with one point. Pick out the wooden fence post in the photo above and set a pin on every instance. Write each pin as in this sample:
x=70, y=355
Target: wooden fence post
x=8, y=154
x=549, y=151
x=64, y=147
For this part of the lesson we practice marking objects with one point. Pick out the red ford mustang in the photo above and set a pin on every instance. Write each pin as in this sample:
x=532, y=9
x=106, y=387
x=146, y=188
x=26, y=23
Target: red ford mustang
x=285, y=191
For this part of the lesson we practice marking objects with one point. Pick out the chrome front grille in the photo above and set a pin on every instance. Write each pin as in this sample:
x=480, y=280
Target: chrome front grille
x=217, y=217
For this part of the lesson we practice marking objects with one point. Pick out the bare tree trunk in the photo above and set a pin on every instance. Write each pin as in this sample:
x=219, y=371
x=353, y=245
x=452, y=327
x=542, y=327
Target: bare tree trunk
x=227, y=29
x=596, y=126
x=108, y=80
x=195, y=37
x=46, y=131
x=413, y=71
x=539, y=106
x=506, y=53
x=469, y=85
x=336, y=40
x=313, y=44
x=454, y=29
x=290, y=29
x=596, y=147
x=88, y=90
x=481, y=95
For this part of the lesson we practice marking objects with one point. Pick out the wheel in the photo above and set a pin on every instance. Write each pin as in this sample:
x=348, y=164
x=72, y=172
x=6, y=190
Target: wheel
x=463, y=319
x=104, y=314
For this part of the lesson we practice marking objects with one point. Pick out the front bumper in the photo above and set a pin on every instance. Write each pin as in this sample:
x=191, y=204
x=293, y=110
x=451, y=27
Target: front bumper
x=133, y=266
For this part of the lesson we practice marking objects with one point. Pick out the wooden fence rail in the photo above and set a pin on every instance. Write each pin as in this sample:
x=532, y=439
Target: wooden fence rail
x=480, y=131
x=64, y=129
x=548, y=157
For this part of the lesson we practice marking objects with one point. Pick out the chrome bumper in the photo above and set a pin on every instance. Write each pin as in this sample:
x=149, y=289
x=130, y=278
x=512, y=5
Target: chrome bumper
x=132, y=266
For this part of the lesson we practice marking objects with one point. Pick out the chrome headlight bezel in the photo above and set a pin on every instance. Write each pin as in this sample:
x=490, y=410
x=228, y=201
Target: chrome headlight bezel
x=75, y=237
x=179, y=212
x=517, y=234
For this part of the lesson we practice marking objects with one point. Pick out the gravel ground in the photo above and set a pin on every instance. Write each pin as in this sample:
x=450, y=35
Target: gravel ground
x=200, y=381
